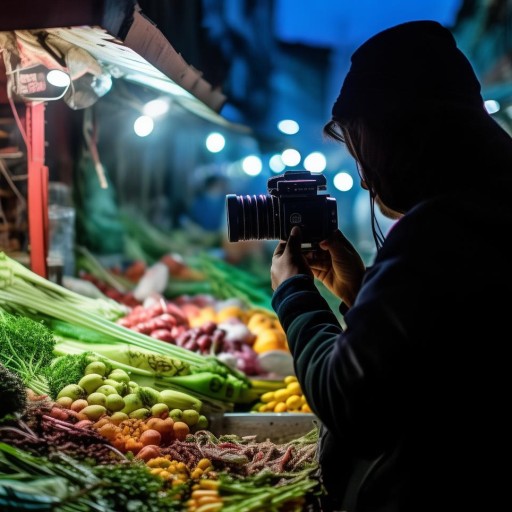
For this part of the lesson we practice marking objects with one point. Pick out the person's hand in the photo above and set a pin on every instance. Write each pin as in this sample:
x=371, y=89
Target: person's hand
x=288, y=259
x=338, y=266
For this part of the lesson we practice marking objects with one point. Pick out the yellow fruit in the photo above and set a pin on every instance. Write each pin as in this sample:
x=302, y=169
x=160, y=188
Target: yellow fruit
x=281, y=395
x=206, y=314
x=294, y=388
x=259, y=321
x=280, y=407
x=271, y=405
x=293, y=402
x=290, y=378
x=269, y=339
x=267, y=397
x=305, y=408
x=230, y=312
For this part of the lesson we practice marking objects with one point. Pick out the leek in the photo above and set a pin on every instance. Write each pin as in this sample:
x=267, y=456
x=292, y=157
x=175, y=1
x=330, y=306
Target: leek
x=24, y=292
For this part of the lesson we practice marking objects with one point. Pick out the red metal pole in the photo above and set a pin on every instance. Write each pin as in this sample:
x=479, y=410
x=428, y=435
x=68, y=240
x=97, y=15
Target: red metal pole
x=38, y=224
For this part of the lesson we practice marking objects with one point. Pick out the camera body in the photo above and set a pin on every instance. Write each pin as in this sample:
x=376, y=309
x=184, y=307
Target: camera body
x=293, y=199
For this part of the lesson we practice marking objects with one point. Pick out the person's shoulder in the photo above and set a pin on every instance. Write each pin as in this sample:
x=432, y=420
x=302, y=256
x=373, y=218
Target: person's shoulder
x=423, y=216
x=427, y=226
x=449, y=223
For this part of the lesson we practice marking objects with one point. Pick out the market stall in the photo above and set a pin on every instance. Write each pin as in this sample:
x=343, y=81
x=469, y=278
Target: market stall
x=116, y=399
x=85, y=385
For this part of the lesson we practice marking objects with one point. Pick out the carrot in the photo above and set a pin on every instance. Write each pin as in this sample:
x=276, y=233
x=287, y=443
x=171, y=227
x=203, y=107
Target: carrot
x=210, y=507
x=203, y=500
x=201, y=493
x=208, y=483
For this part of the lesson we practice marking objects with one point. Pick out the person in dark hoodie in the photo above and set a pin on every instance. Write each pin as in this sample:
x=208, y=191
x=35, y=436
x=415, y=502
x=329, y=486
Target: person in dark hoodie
x=413, y=392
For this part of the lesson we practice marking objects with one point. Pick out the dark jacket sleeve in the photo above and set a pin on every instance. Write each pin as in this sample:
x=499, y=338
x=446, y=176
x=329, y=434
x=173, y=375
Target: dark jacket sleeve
x=353, y=379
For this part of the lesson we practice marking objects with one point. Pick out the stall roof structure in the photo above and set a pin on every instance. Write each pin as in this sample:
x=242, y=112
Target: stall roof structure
x=100, y=38
x=125, y=43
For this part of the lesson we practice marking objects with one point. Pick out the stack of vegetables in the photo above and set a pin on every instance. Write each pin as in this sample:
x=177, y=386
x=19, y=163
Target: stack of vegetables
x=231, y=318
x=80, y=431
x=201, y=274
x=82, y=324
x=53, y=465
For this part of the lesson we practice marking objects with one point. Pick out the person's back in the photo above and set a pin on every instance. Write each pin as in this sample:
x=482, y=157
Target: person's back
x=437, y=280
x=412, y=394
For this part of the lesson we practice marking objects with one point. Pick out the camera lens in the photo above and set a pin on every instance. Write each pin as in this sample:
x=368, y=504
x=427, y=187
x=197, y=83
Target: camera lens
x=252, y=217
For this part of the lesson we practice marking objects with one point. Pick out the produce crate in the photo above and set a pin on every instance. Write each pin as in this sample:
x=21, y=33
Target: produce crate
x=278, y=427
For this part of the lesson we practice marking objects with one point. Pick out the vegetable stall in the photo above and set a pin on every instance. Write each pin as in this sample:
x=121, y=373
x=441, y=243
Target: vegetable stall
x=113, y=400
x=98, y=415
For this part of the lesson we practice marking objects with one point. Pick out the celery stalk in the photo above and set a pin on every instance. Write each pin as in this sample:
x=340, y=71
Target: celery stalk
x=29, y=294
x=23, y=290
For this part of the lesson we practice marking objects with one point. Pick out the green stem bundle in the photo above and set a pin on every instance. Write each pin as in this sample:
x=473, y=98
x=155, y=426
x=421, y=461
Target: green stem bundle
x=25, y=292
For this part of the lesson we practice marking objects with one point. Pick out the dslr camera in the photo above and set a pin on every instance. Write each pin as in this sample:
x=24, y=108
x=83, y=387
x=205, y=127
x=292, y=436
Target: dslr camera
x=293, y=199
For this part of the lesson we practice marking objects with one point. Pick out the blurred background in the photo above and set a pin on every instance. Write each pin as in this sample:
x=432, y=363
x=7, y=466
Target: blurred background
x=277, y=67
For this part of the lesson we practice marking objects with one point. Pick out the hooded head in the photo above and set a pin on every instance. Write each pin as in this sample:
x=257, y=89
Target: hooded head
x=416, y=63
x=411, y=107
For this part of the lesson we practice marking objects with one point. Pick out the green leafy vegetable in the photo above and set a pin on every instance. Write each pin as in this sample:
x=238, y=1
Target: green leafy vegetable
x=229, y=281
x=13, y=393
x=66, y=369
x=132, y=487
x=78, y=487
x=26, y=348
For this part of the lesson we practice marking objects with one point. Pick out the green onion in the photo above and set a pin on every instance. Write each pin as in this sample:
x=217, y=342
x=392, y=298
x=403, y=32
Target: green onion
x=26, y=292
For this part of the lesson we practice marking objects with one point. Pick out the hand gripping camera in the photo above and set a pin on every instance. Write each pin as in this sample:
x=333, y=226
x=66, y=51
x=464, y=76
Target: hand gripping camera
x=293, y=200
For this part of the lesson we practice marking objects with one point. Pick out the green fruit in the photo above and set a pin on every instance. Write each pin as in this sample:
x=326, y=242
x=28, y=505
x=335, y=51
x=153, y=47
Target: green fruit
x=119, y=375
x=149, y=395
x=132, y=402
x=176, y=414
x=118, y=416
x=97, y=367
x=160, y=410
x=133, y=387
x=97, y=399
x=65, y=401
x=107, y=390
x=202, y=422
x=91, y=382
x=190, y=417
x=73, y=391
x=140, y=414
x=179, y=400
x=114, y=403
x=120, y=387
x=94, y=412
